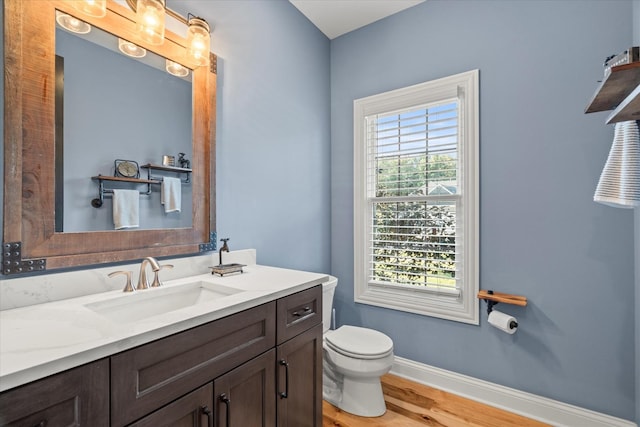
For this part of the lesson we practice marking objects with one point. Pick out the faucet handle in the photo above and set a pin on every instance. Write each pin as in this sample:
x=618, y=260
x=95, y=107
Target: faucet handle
x=128, y=287
x=156, y=280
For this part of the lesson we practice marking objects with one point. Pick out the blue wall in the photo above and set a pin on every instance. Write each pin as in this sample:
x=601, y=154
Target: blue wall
x=273, y=173
x=541, y=234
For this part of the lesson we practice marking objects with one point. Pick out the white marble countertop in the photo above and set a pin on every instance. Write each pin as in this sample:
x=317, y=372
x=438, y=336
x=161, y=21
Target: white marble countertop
x=43, y=339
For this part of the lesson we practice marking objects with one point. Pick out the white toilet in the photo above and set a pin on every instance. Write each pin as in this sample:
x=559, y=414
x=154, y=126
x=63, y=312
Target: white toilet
x=354, y=359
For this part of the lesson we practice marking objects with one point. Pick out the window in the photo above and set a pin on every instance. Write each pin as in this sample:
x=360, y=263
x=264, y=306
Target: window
x=416, y=198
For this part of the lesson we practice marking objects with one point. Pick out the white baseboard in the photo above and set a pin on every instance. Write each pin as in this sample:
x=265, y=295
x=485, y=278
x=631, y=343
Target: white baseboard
x=526, y=404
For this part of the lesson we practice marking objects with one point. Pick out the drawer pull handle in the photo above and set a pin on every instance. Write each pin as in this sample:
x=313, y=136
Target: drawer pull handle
x=285, y=394
x=205, y=410
x=42, y=423
x=224, y=399
x=305, y=311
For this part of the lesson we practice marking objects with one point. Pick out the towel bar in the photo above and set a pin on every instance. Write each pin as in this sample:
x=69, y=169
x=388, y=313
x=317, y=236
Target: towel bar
x=97, y=202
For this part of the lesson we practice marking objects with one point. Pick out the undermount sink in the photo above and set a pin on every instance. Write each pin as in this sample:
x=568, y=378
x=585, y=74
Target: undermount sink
x=139, y=305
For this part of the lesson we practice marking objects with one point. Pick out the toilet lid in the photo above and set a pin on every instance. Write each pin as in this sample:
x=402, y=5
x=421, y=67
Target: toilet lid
x=359, y=342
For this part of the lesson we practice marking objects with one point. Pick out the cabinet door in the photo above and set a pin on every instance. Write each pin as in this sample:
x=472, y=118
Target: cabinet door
x=245, y=396
x=300, y=380
x=192, y=410
x=78, y=397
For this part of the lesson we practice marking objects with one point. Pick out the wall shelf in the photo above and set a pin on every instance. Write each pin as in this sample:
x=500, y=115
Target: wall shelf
x=122, y=179
x=629, y=108
x=151, y=166
x=97, y=202
x=620, y=91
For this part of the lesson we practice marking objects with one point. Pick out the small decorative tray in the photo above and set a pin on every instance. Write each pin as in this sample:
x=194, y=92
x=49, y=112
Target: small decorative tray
x=224, y=269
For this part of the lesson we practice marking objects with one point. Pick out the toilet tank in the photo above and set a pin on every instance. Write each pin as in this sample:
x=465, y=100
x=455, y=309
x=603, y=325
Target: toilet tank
x=328, y=289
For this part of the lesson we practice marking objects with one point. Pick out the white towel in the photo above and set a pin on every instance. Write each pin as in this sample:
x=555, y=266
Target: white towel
x=125, y=209
x=171, y=194
x=619, y=184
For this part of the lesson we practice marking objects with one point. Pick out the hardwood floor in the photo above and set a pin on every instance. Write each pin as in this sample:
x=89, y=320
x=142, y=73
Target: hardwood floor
x=415, y=405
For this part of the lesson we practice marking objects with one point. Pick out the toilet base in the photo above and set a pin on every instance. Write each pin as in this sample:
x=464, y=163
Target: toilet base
x=358, y=396
x=363, y=397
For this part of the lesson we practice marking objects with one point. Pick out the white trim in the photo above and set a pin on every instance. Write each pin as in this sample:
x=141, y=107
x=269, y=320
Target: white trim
x=463, y=307
x=532, y=406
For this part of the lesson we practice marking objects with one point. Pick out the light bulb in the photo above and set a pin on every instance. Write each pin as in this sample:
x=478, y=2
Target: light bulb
x=150, y=15
x=176, y=69
x=71, y=23
x=131, y=49
x=198, y=41
x=97, y=8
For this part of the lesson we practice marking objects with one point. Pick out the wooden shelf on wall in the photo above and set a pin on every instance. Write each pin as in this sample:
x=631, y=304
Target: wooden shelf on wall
x=629, y=108
x=618, y=88
x=122, y=179
x=622, y=80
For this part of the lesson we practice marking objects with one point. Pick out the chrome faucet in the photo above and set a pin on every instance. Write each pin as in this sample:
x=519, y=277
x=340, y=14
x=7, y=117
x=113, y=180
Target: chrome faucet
x=143, y=282
x=224, y=247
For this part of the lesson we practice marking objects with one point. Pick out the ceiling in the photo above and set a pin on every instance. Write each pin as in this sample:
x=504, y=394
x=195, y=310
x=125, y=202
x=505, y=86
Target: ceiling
x=337, y=17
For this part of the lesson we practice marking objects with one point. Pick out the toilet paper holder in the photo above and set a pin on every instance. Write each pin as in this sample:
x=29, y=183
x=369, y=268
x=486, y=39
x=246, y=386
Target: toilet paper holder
x=492, y=298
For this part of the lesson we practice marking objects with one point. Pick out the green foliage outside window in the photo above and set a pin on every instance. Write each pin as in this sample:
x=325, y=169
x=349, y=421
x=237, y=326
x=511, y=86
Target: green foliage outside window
x=414, y=241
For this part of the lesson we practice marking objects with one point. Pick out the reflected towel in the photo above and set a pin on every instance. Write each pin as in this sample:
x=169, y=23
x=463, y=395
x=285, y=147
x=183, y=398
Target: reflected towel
x=125, y=209
x=171, y=194
x=619, y=184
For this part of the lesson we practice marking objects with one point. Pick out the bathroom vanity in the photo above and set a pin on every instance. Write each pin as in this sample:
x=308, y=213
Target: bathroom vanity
x=251, y=358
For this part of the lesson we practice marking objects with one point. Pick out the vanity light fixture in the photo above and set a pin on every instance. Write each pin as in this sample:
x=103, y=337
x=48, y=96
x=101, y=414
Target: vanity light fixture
x=150, y=24
x=131, y=49
x=97, y=8
x=152, y=12
x=71, y=23
x=176, y=69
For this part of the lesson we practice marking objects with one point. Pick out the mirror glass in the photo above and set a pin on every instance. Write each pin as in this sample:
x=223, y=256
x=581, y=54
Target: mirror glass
x=111, y=107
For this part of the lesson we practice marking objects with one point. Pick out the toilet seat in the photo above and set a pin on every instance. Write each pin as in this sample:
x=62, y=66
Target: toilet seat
x=359, y=343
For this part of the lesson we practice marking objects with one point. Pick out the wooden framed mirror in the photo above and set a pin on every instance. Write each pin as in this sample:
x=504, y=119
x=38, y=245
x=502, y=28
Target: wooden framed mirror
x=30, y=242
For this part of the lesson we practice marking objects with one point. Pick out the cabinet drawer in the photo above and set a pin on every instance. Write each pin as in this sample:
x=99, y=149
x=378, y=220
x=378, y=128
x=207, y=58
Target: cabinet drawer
x=192, y=410
x=298, y=312
x=78, y=397
x=154, y=374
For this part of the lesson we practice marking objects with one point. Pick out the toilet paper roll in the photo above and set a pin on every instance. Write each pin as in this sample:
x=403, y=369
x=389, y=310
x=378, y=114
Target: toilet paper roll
x=503, y=321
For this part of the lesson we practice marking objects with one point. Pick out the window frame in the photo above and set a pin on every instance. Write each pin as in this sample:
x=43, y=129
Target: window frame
x=459, y=305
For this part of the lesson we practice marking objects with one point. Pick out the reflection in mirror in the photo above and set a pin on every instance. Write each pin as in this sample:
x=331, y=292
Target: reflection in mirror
x=117, y=107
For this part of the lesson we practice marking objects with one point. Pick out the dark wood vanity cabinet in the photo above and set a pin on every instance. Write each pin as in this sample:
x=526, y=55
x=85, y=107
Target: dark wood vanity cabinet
x=78, y=397
x=261, y=367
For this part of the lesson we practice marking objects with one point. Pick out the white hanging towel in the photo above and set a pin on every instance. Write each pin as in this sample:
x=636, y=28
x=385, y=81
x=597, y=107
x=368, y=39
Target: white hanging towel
x=619, y=184
x=125, y=209
x=171, y=194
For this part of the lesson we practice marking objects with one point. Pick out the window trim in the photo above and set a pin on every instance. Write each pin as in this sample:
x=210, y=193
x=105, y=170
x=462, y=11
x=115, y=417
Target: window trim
x=462, y=306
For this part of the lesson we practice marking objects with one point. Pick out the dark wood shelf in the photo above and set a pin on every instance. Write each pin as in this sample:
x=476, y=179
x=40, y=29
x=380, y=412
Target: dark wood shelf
x=122, y=179
x=616, y=88
x=166, y=168
x=629, y=109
